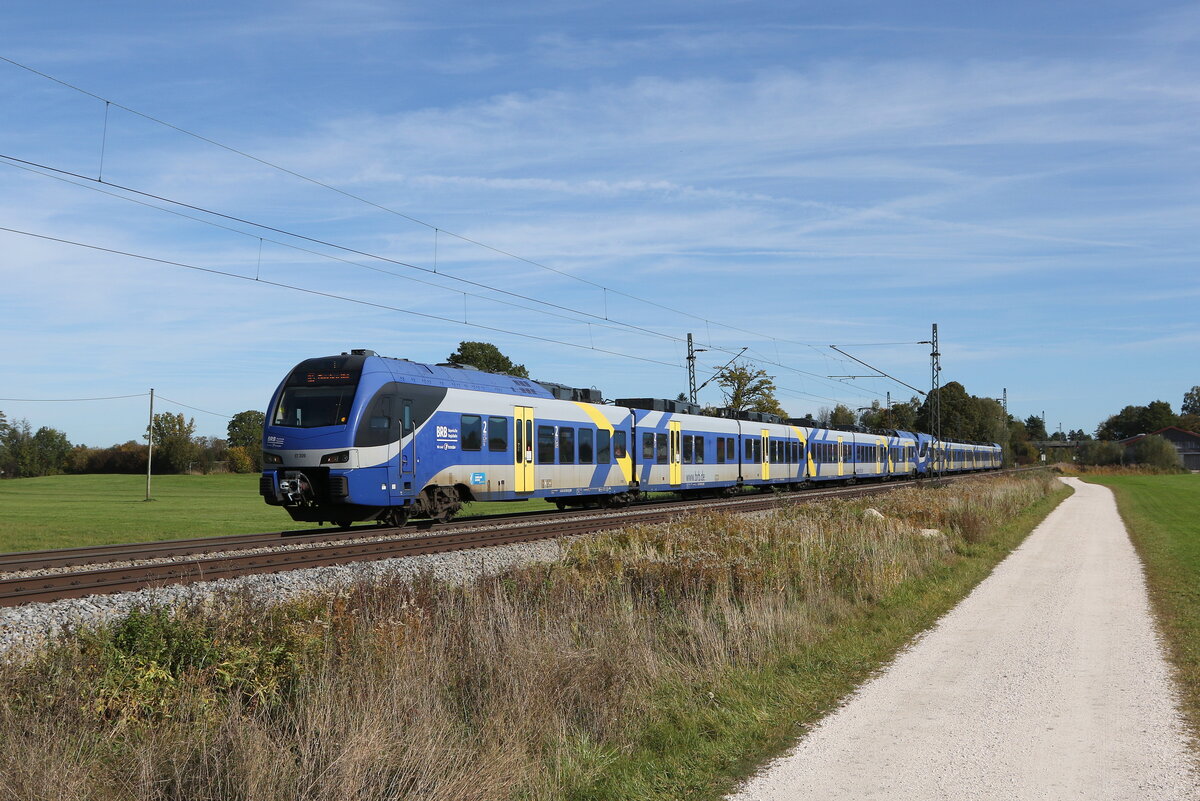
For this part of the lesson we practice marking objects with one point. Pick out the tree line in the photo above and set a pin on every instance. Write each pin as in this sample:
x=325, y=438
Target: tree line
x=47, y=451
x=26, y=453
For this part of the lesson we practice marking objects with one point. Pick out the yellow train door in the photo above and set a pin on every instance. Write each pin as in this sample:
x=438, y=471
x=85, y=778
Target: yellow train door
x=676, y=454
x=523, y=480
x=766, y=454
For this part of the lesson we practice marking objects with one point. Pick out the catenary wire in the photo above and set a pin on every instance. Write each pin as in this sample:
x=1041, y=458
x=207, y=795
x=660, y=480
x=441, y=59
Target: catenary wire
x=60, y=173
x=331, y=295
x=373, y=204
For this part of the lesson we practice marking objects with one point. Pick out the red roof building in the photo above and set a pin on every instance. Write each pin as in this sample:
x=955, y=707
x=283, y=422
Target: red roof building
x=1186, y=442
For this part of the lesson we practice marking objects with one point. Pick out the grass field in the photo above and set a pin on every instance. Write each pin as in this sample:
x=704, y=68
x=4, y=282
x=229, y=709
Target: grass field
x=1162, y=514
x=65, y=511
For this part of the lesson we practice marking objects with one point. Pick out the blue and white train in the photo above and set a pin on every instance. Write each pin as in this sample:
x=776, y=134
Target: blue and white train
x=363, y=437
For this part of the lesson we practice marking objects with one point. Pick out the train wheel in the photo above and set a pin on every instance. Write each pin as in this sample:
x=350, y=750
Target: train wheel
x=343, y=523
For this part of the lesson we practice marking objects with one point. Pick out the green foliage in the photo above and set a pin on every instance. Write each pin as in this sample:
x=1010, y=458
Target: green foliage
x=175, y=446
x=1191, y=402
x=1035, y=428
x=1157, y=451
x=1189, y=422
x=487, y=357
x=746, y=389
x=965, y=416
x=246, y=432
x=240, y=461
x=902, y=416
x=1134, y=420
x=1101, y=452
x=152, y=666
x=25, y=453
x=841, y=415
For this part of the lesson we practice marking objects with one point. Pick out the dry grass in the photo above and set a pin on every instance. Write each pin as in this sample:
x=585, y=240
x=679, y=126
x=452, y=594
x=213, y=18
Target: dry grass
x=527, y=685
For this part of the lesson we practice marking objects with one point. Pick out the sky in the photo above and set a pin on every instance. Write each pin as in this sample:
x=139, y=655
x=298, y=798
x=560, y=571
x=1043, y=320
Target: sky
x=196, y=197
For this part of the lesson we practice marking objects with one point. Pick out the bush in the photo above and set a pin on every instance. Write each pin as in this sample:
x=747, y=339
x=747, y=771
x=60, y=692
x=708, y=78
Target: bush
x=240, y=461
x=1101, y=452
x=1156, y=451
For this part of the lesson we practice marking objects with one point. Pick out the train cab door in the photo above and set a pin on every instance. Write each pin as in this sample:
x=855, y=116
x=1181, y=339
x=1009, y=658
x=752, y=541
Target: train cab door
x=408, y=450
x=523, y=479
x=675, y=456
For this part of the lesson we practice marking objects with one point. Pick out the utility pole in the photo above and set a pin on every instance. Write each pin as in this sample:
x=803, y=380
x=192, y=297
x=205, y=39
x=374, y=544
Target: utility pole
x=1006, y=402
x=691, y=360
x=935, y=399
x=150, y=454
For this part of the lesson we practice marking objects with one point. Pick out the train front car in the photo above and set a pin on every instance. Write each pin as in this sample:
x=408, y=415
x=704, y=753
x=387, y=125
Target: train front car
x=315, y=438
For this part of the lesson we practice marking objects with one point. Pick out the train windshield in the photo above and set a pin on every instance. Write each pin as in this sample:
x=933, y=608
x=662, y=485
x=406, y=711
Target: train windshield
x=319, y=393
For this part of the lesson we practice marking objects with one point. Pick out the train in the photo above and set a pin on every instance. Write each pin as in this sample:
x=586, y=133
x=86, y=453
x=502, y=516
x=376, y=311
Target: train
x=362, y=437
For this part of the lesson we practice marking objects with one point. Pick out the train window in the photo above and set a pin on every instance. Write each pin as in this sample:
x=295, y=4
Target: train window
x=730, y=450
x=720, y=450
x=662, y=449
x=604, y=447
x=471, y=432
x=545, y=445
x=585, y=445
x=566, y=445
x=757, y=455
x=497, y=433
x=749, y=450
x=699, y=450
x=520, y=449
x=648, y=447
x=620, y=450
x=688, y=448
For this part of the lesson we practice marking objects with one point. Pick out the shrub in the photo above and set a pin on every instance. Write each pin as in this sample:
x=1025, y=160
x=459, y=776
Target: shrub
x=1156, y=451
x=240, y=461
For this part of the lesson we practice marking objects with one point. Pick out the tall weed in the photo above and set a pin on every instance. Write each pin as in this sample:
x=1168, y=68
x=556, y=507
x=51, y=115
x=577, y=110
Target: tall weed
x=523, y=685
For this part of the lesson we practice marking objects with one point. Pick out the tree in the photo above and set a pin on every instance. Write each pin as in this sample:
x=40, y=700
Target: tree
x=1134, y=420
x=25, y=454
x=1036, y=427
x=1189, y=422
x=174, y=445
x=487, y=357
x=1191, y=402
x=745, y=389
x=246, y=434
x=841, y=416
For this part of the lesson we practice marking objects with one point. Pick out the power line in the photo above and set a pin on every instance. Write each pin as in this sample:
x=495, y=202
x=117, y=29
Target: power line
x=317, y=293
x=436, y=229
x=194, y=408
x=607, y=322
x=71, y=400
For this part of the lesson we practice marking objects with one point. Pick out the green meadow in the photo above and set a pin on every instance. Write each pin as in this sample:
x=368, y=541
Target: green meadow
x=1162, y=513
x=66, y=511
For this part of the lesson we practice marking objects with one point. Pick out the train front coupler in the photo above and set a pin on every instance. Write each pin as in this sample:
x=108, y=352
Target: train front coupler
x=296, y=489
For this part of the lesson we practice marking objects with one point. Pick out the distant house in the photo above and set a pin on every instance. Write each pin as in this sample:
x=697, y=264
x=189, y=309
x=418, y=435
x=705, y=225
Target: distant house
x=1186, y=442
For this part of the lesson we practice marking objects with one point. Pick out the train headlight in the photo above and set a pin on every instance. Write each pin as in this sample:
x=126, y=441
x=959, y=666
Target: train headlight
x=272, y=458
x=341, y=457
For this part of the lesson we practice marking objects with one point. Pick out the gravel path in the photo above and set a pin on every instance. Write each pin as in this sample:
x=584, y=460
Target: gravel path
x=1047, y=682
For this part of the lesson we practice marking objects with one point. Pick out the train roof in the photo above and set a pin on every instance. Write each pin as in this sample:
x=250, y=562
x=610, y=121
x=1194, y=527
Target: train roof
x=451, y=376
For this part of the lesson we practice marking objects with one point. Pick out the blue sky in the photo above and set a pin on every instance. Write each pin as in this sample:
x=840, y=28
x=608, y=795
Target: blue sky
x=775, y=176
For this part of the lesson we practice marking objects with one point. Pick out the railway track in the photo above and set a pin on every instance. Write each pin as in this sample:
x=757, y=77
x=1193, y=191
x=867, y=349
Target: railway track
x=245, y=555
